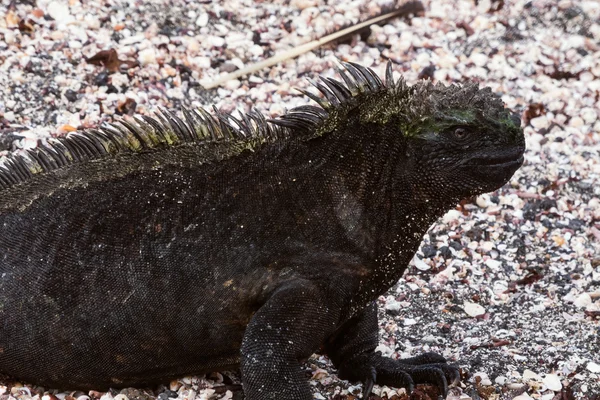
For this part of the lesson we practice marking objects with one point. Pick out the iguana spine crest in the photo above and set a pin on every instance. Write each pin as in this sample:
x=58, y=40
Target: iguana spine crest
x=142, y=134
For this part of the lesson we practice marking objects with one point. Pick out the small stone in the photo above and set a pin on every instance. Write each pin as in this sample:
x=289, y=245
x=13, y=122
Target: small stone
x=201, y=62
x=37, y=13
x=583, y=300
x=70, y=95
x=484, y=6
x=493, y=264
x=479, y=59
x=302, y=4
x=232, y=84
x=12, y=19
x=256, y=50
x=174, y=385
x=451, y=216
x=484, y=379
x=420, y=264
x=589, y=115
x=552, y=382
x=540, y=122
x=523, y=396
x=57, y=35
x=92, y=21
x=9, y=116
x=59, y=11
x=202, y=19
x=216, y=41
x=482, y=201
x=529, y=375
x=228, y=67
x=593, y=367
x=473, y=309
x=575, y=122
x=147, y=56
x=392, y=304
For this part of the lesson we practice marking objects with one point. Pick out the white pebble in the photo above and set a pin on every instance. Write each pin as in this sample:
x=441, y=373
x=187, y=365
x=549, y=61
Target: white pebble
x=493, y=264
x=232, y=84
x=575, y=122
x=473, y=309
x=451, y=216
x=420, y=264
x=202, y=19
x=256, y=50
x=147, y=56
x=302, y=4
x=523, y=396
x=201, y=62
x=529, y=375
x=485, y=380
x=59, y=10
x=9, y=116
x=552, y=382
x=593, y=367
x=479, y=59
x=540, y=122
x=482, y=201
x=583, y=300
x=75, y=44
x=92, y=21
x=589, y=115
x=216, y=41
x=392, y=304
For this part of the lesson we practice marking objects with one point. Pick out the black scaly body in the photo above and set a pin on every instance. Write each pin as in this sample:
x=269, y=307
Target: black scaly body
x=159, y=247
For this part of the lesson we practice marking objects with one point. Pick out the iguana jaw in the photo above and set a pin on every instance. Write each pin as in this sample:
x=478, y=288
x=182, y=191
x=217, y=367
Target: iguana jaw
x=494, y=169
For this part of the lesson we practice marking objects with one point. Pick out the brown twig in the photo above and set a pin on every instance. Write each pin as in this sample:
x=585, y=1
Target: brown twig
x=411, y=7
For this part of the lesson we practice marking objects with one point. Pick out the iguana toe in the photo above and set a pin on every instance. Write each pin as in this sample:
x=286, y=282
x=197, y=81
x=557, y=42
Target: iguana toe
x=399, y=373
x=425, y=358
x=368, y=384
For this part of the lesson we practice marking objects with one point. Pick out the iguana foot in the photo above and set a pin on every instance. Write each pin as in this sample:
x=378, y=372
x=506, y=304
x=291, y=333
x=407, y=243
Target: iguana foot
x=373, y=368
x=352, y=350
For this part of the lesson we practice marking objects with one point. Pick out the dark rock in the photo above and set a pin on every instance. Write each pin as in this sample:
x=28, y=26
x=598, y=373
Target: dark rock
x=70, y=95
x=429, y=251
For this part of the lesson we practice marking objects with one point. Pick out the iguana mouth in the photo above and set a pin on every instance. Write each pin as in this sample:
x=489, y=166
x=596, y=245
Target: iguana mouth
x=512, y=157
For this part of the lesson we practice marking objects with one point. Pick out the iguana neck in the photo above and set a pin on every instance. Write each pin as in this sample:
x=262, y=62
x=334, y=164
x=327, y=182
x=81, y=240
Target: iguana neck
x=389, y=209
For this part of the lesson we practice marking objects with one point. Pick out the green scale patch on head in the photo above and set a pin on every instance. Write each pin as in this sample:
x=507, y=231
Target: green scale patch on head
x=419, y=108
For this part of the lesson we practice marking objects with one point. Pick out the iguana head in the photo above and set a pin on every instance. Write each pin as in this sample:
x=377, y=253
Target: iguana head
x=457, y=140
x=461, y=141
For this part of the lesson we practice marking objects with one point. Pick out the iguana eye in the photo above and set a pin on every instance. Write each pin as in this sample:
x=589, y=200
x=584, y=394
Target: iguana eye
x=460, y=133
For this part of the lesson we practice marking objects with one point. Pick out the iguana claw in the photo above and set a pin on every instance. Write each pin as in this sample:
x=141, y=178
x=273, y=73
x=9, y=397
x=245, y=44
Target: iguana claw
x=368, y=384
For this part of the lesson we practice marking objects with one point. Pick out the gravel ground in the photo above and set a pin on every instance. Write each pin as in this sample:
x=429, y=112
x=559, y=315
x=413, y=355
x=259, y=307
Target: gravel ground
x=507, y=285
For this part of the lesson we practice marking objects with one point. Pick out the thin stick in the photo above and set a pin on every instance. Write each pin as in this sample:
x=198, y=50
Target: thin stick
x=411, y=7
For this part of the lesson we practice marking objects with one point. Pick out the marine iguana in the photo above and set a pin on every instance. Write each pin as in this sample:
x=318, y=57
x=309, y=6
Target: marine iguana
x=158, y=247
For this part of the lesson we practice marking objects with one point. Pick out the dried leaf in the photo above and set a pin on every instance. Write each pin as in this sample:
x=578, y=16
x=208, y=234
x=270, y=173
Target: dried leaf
x=106, y=58
x=533, y=110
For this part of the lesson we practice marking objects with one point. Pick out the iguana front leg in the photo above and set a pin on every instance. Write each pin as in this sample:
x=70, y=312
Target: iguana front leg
x=287, y=329
x=352, y=350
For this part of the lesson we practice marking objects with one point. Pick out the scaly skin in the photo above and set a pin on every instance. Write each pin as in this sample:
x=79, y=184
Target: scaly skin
x=178, y=254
